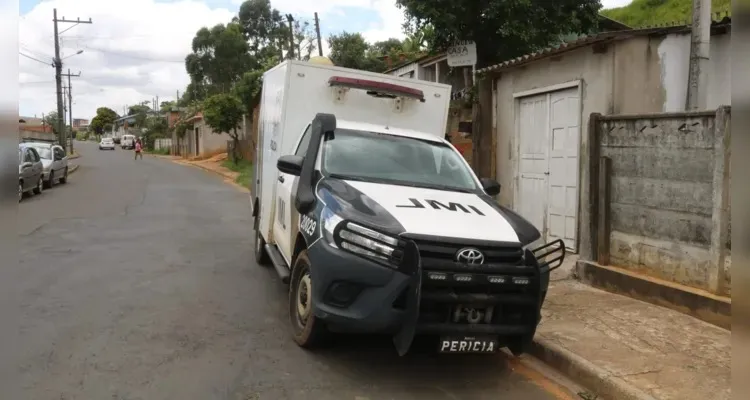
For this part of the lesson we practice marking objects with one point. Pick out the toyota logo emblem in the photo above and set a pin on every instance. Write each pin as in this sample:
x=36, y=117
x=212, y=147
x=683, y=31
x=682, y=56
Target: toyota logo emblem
x=470, y=256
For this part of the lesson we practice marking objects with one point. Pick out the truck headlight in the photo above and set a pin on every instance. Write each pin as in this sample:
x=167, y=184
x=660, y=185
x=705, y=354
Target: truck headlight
x=329, y=222
x=366, y=242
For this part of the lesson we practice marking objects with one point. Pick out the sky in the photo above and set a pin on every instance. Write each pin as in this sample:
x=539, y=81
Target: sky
x=135, y=49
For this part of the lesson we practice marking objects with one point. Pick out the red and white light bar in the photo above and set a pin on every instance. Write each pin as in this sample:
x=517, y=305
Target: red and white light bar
x=377, y=87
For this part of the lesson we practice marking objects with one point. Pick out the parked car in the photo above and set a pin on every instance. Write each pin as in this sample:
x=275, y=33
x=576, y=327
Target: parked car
x=127, y=142
x=107, y=143
x=54, y=162
x=30, y=171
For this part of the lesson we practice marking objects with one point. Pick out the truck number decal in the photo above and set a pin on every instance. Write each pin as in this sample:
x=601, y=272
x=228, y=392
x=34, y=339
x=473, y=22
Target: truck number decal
x=308, y=225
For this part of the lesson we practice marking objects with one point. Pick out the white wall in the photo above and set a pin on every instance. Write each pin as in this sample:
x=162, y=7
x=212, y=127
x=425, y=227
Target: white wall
x=404, y=70
x=674, y=55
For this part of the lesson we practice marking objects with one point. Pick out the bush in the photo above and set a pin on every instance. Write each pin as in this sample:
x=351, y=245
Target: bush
x=244, y=167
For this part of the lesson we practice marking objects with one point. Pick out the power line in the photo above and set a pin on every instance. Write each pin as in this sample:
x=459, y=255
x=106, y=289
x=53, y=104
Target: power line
x=25, y=47
x=36, y=59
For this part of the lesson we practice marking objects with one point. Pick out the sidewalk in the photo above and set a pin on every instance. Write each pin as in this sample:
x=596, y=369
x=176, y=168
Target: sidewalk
x=214, y=165
x=621, y=348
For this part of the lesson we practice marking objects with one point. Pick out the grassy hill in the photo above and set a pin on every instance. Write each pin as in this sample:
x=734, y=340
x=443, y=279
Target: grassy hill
x=641, y=13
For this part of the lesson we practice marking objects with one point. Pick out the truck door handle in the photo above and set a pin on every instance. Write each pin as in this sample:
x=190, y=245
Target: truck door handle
x=281, y=179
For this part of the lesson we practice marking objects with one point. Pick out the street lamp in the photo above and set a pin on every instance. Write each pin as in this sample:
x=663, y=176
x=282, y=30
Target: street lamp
x=77, y=53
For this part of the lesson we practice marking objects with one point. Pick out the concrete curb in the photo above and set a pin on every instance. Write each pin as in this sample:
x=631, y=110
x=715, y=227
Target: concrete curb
x=584, y=372
x=73, y=168
x=227, y=177
x=74, y=156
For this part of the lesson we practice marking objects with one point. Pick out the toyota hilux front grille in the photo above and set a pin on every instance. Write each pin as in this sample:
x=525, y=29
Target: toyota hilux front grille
x=503, y=282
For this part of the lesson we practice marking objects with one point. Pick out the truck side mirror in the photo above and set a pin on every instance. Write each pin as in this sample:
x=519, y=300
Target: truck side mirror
x=490, y=186
x=290, y=164
x=305, y=198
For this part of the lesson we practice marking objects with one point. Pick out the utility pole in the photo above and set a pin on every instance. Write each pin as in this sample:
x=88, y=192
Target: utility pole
x=70, y=105
x=290, y=19
x=58, y=74
x=317, y=32
x=700, y=39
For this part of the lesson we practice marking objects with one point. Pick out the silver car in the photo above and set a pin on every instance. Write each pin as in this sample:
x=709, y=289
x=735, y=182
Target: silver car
x=54, y=162
x=30, y=171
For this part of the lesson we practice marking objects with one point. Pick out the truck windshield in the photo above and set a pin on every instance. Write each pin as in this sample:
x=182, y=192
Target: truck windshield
x=377, y=157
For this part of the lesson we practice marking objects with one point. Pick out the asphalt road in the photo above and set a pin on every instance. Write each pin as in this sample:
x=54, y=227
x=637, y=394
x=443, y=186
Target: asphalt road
x=137, y=281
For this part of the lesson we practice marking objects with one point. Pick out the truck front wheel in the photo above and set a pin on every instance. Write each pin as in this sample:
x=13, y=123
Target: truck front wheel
x=309, y=332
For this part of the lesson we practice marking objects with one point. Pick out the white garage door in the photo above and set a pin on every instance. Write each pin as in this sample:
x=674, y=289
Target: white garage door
x=547, y=192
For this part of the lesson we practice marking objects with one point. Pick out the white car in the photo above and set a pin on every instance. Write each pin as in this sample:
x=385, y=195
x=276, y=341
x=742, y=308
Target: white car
x=54, y=161
x=107, y=144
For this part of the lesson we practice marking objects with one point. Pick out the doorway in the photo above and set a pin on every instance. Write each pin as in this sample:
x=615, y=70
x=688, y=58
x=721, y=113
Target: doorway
x=197, y=142
x=547, y=137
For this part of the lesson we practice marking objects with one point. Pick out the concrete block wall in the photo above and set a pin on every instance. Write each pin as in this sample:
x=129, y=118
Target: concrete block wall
x=663, y=193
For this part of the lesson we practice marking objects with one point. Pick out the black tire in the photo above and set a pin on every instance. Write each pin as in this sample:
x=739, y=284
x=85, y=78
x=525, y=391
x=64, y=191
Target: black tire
x=20, y=191
x=51, y=181
x=64, y=178
x=519, y=345
x=261, y=255
x=39, y=186
x=308, y=331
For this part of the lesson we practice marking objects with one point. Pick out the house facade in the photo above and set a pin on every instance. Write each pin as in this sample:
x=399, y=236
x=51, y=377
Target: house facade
x=536, y=133
x=435, y=68
x=201, y=141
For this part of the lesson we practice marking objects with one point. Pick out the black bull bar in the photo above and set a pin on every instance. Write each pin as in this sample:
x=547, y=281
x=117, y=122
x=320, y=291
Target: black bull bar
x=543, y=259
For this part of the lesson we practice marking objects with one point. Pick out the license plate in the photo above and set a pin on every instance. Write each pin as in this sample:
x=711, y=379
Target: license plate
x=468, y=344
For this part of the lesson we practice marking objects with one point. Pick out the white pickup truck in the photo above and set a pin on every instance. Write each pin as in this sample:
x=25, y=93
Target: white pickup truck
x=378, y=223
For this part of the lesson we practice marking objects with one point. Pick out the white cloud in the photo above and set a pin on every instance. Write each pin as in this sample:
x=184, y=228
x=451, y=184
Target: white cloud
x=8, y=45
x=133, y=51
x=390, y=24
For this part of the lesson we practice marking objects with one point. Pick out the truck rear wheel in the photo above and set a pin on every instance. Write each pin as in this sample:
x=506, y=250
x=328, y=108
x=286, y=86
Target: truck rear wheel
x=309, y=332
x=261, y=256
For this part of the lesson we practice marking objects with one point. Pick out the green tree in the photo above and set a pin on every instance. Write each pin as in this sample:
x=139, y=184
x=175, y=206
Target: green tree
x=247, y=90
x=418, y=40
x=304, y=40
x=219, y=57
x=155, y=126
x=168, y=105
x=264, y=30
x=223, y=113
x=391, y=47
x=501, y=29
x=104, y=120
x=140, y=112
x=351, y=50
x=52, y=120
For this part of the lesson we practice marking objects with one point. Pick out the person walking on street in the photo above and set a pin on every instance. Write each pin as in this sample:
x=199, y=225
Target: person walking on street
x=138, y=148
